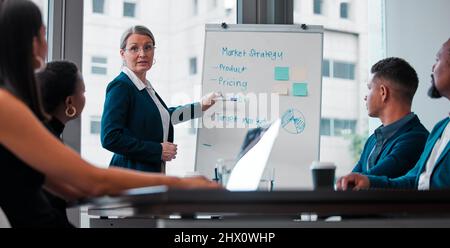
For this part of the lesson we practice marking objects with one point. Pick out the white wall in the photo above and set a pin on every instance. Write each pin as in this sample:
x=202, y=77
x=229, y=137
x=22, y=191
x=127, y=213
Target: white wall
x=415, y=30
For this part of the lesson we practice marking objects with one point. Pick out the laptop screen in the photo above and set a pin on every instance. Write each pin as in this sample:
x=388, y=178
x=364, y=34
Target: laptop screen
x=253, y=158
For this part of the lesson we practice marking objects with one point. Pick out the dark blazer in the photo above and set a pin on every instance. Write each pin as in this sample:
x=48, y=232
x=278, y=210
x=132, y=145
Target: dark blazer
x=399, y=153
x=131, y=125
x=440, y=177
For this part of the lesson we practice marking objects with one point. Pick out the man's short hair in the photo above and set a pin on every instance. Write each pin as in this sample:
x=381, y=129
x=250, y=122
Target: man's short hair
x=401, y=75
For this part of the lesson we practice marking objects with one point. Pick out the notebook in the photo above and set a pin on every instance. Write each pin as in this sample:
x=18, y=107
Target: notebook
x=253, y=158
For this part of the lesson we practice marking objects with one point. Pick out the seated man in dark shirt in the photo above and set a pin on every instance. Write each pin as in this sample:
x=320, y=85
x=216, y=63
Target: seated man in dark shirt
x=432, y=171
x=396, y=145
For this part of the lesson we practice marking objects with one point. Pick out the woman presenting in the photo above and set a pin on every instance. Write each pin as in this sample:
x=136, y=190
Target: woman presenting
x=136, y=123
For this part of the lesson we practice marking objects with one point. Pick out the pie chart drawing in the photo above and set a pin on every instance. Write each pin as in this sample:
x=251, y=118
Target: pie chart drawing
x=293, y=121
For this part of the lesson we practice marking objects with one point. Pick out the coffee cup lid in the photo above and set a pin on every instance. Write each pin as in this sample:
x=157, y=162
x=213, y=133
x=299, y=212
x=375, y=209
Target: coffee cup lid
x=322, y=165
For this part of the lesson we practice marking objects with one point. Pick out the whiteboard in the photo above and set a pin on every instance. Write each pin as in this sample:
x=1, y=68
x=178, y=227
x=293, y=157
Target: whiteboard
x=265, y=72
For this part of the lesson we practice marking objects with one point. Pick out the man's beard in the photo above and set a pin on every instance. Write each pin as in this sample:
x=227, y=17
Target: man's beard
x=433, y=91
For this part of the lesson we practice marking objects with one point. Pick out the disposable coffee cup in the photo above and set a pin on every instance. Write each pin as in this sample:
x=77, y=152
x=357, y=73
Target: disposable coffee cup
x=323, y=175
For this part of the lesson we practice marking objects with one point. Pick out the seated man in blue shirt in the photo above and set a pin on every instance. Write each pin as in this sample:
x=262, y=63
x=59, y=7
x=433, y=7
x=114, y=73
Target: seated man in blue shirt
x=432, y=171
x=396, y=145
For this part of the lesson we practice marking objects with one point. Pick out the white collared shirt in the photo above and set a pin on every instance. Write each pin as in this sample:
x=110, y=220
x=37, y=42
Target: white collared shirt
x=165, y=117
x=439, y=146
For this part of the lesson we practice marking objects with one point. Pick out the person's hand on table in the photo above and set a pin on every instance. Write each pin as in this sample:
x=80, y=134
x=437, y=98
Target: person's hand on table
x=353, y=181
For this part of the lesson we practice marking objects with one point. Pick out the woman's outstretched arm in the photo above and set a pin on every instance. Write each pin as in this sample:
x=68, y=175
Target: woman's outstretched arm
x=24, y=135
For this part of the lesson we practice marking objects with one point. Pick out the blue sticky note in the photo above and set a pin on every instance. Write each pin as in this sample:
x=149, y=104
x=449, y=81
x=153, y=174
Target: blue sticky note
x=300, y=89
x=282, y=73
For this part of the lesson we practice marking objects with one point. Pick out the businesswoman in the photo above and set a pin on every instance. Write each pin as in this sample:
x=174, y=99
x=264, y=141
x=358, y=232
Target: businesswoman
x=136, y=125
x=29, y=154
x=62, y=89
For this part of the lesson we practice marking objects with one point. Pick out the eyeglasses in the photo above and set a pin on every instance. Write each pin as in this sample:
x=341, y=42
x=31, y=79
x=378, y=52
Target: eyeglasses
x=135, y=50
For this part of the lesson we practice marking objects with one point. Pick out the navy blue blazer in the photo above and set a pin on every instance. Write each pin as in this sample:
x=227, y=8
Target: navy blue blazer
x=399, y=153
x=131, y=125
x=440, y=176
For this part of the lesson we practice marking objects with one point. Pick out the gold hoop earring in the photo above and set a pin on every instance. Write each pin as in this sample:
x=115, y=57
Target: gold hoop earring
x=71, y=111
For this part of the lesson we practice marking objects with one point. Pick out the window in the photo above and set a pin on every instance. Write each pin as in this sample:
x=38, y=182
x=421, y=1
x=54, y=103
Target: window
x=194, y=7
x=99, y=65
x=326, y=68
x=129, y=9
x=98, y=6
x=344, y=70
x=344, y=127
x=193, y=66
x=344, y=10
x=348, y=51
x=317, y=7
x=95, y=124
x=325, y=127
x=337, y=127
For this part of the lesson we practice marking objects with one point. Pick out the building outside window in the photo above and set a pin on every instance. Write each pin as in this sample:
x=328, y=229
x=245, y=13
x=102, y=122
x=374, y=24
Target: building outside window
x=345, y=71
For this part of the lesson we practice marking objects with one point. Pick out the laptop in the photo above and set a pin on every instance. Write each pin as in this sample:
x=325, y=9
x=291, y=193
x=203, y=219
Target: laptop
x=253, y=158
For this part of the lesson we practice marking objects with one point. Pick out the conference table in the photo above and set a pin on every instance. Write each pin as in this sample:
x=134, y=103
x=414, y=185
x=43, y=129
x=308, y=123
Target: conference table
x=163, y=207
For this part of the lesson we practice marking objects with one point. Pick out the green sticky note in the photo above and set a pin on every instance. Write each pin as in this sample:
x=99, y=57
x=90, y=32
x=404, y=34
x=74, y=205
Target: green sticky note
x=282, y=73
x=300, y=89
